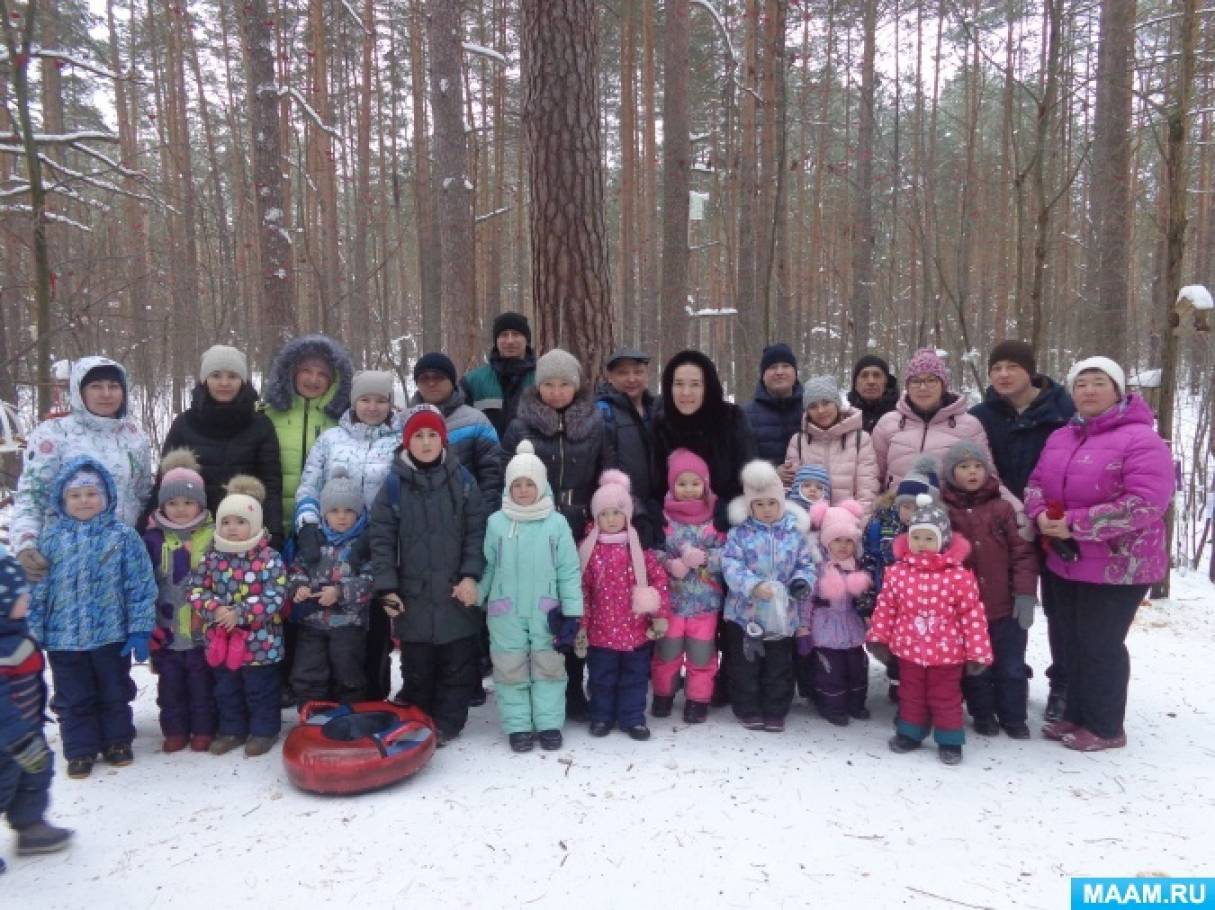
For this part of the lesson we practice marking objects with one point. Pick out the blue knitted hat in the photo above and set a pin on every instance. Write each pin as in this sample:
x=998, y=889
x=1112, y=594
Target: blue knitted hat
x=815, y=472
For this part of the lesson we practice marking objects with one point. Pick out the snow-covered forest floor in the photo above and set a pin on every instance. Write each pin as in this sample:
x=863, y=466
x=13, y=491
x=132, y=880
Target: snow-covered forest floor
x=709, y=816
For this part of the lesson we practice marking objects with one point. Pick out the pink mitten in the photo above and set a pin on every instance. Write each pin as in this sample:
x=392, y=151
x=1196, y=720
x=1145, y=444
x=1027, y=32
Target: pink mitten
x=646, y=600
x=676, y=568
x=693, y=557
x=858, y=583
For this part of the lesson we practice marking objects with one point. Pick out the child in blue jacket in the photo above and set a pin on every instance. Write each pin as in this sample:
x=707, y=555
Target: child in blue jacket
x=93, y=611
x=26, y=764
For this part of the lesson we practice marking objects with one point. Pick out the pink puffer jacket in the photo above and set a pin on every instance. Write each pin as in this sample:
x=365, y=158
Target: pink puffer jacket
x=901, y=436
x=846, y=451
x=1114, y=476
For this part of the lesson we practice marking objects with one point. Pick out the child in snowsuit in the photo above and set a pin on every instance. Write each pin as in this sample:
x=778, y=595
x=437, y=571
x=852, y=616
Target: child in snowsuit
x=177, y=539
x=26, y=763
x=1007, y=568
x=930, y=619
x=532, y=592
x=627, y=606
x=768, y=568
x=831, y=640
x=427, y=539
x=693, y=562
x=95, y=608
x=330, y=601
x=239, y=592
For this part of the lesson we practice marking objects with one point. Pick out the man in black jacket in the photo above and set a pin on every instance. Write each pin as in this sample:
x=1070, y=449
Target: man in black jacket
x=775, y=413
x=874, y=391
x=627, y=407
x=1019, y=412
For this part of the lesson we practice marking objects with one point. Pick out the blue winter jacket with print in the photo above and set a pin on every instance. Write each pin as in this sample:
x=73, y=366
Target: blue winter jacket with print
x=100, y=587
x=757, y=552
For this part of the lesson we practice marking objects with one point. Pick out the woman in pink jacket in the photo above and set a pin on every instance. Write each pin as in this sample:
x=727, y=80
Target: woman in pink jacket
x=834, y=439
x=928, y=419
x=1098, y=495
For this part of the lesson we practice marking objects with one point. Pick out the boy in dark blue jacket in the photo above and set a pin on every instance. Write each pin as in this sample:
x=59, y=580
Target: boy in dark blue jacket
x=25, y=760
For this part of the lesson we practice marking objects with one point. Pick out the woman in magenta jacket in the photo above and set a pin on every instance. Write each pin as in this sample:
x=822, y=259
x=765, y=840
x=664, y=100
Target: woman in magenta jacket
x=1112, y=476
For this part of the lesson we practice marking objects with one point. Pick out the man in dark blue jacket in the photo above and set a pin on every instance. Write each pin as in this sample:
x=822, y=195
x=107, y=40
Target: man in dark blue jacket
x=775, y=413
x=1021, y=409
x=627, y=407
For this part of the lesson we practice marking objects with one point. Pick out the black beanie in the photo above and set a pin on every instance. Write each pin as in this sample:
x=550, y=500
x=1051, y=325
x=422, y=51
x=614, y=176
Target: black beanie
x=107, y=372
x=870, y=360
x=1019, y=352
x=435, y=362
x=512, y=322
x=777, y=353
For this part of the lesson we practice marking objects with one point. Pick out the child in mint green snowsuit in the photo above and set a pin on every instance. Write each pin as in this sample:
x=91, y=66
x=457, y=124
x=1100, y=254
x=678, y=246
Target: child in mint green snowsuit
x=532, y=592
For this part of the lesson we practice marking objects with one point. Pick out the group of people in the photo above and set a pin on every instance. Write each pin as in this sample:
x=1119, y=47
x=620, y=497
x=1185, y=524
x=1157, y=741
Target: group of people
x=568, y=538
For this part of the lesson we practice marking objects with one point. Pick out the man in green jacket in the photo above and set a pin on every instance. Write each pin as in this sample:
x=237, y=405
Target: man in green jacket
x=495, y=387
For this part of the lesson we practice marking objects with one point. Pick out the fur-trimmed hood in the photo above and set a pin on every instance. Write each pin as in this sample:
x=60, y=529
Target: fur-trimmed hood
x=794, y=515
x=581, y=418
x=80, y=369
x=953, y=555
x=279, y=391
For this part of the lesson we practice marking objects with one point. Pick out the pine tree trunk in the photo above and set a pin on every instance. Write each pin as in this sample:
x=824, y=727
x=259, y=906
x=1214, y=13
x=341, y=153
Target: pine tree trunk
x=571, y=286
x=676, y=160
x=426, y=224
x=864, y=239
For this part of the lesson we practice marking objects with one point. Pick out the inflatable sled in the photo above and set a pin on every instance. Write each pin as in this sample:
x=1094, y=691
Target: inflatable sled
x=356, y=748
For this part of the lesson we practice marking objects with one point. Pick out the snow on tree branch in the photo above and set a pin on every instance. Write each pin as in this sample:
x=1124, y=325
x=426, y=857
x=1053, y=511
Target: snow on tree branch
x=721, y=25
x=482, y=51
x=47, y=216
x=66, y=59
x=494, y=214
x=14, y=139
x=299, y=99
x=1197, y=296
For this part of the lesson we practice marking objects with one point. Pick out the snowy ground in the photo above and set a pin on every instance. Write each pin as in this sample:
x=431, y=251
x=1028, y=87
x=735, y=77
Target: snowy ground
x=710, y=815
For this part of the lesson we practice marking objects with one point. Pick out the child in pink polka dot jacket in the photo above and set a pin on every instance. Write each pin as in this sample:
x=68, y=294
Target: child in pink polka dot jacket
x=929, y=618
x=627, y=607
x=238, y=593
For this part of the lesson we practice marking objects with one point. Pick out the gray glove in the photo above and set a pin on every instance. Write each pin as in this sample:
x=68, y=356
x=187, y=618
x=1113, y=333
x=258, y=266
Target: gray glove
x=1023, y=609
x=753, y=641
x=31, y=754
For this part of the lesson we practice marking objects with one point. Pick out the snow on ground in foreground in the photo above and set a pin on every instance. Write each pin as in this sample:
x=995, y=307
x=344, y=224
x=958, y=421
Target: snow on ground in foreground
x=710, y=815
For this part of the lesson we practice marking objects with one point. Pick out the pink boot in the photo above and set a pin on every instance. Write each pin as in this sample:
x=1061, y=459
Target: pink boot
x=238, y=650
x=217, y=646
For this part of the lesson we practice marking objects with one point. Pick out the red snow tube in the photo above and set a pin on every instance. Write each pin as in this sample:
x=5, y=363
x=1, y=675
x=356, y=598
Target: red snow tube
x=356, y=748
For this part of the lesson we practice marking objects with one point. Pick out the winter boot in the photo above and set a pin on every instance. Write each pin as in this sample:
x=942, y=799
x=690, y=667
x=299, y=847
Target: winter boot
x=217, y=646
x=119, y=755
x=238, y=650
x=751, y=721
x=442, y=738
x=986, y=726
x=640, y=733
x=79, y=768
x=600, y=728
x=840, y=720
x=550, y=740
x=1083, y=740
x=950, y=755
x=521, y=742
x=777, y=724
x=174, y=744
x=1056, y=704
x=1016, y=730
x=259, y=745
x=200, y=742
x=1056, y=730
x=478, y=697
x=41, y=838
x=901, y=744
x=661, y=706
x=222, y=744
x=860, y=714
x=695, y=712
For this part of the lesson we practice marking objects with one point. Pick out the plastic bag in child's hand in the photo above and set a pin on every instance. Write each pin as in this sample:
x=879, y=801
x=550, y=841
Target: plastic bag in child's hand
x=772, y=613
x=974, y=668
x=308, y=540
x=753, y=641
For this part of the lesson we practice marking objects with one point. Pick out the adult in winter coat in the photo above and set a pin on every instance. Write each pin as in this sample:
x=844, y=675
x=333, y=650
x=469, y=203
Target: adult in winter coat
x=696, y=416
x=928, y=419
x=97, y=426
x=874, y=390
x=306, y=393
x=1113, y=477
x=495, y=388
x=470, y=434
x=775, y=413
x=228, y=435
x=628, y=408
x=836, y=440
x=1019, y=412
x=565, y=428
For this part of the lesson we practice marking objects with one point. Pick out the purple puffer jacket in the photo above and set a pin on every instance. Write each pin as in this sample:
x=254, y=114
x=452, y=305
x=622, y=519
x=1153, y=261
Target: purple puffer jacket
x=1114, y=475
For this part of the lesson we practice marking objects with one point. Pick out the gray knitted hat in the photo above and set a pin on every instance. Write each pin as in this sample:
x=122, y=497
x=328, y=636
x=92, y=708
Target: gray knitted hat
x=341, y=492
x=820, y=388
x=222, y=357
x=558, y=364
x=371, y=382
x=931, y=516
x=963, y=451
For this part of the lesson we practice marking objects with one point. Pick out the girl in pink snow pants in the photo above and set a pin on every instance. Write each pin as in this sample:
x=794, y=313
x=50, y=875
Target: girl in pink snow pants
x=692, y=558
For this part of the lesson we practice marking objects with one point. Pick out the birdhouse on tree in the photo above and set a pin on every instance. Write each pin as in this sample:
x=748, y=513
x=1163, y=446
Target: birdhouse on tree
x=1194, y=304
